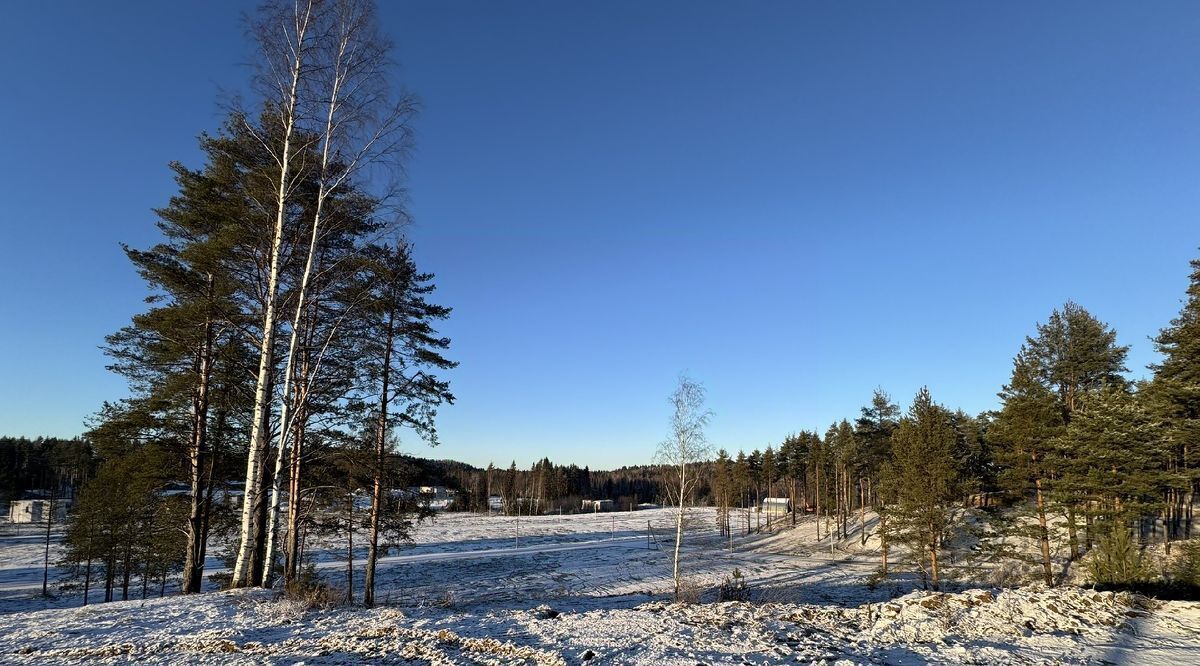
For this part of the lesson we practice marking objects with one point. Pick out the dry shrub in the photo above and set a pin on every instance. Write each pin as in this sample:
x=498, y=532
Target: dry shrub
x=689, y=592
x=1008, y=575
x=734, y=588
x=315, y=594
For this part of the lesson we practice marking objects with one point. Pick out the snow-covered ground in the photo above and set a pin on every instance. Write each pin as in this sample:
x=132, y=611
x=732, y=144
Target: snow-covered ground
x=594, y=588
x=977, y=626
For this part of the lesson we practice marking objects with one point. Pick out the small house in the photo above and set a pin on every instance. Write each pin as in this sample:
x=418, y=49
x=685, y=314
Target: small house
x=596, y=506
x=36, y=510
x=776, y=506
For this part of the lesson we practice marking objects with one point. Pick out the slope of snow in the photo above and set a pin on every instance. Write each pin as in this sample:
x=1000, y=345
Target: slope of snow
x=976, y=626
x=593, y=588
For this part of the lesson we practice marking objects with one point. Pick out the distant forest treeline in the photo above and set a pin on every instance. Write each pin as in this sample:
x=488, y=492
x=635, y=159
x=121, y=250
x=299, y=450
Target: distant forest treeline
x=44, y=463
x=62, y=466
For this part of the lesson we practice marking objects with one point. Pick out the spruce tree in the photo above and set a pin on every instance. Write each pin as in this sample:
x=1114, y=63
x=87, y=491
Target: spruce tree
x=1174, y=396
x=177, y=354
x=1023, y=433
x=722, y=487
x=874, y=429
x=1118, y=478
x=1072, y=355
x=923, y=477
x=741, y=482
x=403, y=354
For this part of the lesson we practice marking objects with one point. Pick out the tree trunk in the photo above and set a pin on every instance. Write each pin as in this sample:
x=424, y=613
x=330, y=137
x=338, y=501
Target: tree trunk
x=679, y=529
x=257, y=561
x=836, y=508
x=193, y=566
x=862, y=512
x=350, y=548
x=1071, y=532
x=921, y=556
x=287, y=399
x=46, y=558
x=87, y=580
x=933, y=564
x=214, y=455
x=757, y=508
x=292, y=549
x=380, y=446
x=844, y=493
x=1189, y=499
x=792, y=498
x=1087, y=527
x=817, y=500
x=1044, y=535
x=126, y=571
x=110, y=573
x=252, y=537
x=883, y=541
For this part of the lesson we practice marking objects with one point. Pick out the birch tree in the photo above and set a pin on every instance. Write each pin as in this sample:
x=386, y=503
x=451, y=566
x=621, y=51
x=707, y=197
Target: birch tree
x=686, y=446
x=285, y=38
x=331, y=120
x=360, y=125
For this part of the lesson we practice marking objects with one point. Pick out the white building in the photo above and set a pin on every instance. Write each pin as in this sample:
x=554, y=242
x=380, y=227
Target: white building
x=776, y=506
x=36, y=510
x=596, y=506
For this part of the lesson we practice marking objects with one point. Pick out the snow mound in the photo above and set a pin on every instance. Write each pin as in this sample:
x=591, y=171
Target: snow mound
x=921, y=617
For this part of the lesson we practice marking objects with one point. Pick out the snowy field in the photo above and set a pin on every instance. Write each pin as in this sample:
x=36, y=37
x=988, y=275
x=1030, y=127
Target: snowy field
x=594, y=588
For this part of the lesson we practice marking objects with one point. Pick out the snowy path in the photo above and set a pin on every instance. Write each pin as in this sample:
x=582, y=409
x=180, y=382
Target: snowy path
x=490, y=552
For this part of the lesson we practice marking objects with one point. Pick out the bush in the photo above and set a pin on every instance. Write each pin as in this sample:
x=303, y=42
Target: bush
x=319, y=596
x=1010, y=573
x=1185, y=568
x=734, y=588
x=876, y=578
x=311, y=592
x=1117, y=560
x=689, y=592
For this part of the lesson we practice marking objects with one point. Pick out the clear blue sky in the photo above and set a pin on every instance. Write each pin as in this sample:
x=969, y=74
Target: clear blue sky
x=795, y=202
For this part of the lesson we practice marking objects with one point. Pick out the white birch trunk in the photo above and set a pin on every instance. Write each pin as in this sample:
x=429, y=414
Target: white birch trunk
x=679, y=526
x=259, y=433
x=285, y=425
x=342, y=68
